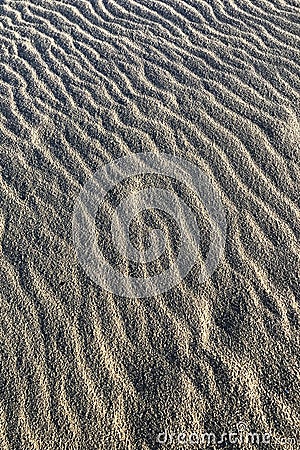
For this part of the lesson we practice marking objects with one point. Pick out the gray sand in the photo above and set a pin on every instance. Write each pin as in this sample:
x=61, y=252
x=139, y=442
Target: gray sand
x=214, y=83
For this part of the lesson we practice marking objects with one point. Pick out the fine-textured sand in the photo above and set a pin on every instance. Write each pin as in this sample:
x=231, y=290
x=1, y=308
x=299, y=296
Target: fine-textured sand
x=82, y=83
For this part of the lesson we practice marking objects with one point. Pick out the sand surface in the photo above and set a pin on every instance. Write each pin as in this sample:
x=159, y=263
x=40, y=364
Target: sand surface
x=211, y=82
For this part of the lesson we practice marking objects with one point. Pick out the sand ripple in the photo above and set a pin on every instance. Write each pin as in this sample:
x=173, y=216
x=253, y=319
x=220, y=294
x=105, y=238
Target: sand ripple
x=81, y=84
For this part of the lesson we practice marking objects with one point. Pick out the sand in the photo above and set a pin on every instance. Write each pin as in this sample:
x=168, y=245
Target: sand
x=214, y=83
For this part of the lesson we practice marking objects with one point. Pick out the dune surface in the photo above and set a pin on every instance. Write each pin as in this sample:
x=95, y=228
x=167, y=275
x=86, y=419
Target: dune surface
x=215, y=84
